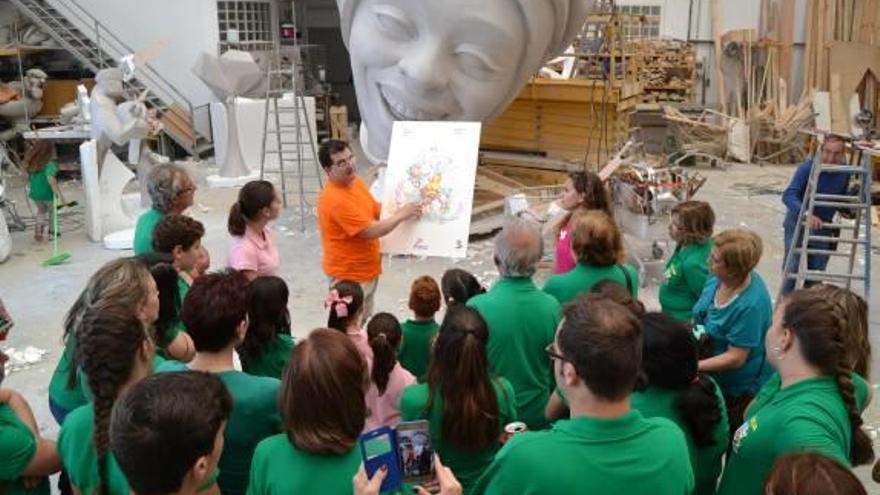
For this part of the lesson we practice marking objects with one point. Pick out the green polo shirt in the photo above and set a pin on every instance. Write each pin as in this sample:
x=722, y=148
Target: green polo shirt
x=629, y=455
x=657, y=402
x=79, y=458
x=806, y=416
x=522, y=323
x=17, y=448
x=254, y=417
x=415, y=350
x=279, y=468
x=683, y=280
x=143, y=231
x=64, y=397
x=467, y=465
x=38, y=182
x=565, y=287
x=272, y=360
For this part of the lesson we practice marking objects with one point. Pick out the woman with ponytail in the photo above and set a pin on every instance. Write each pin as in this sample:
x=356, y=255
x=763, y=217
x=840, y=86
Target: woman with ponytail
x=466, y=406
x=676, y=391
x=253, y=250
x=816, y=403
x=122, y=282
x=387, y=377
x=115, y=352
x=268, y=343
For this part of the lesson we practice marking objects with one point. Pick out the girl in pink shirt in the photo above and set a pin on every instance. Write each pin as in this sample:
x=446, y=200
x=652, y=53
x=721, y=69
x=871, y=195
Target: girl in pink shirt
x=583, y=191
x=252, y=249
x=345, y=302
x=387, y=377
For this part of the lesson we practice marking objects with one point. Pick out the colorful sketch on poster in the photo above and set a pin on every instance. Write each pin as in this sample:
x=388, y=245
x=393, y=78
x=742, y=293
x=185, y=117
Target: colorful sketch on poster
x=433, y=164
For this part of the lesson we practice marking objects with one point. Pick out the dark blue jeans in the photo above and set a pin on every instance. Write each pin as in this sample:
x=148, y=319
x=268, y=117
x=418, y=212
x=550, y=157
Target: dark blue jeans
x=815, y=262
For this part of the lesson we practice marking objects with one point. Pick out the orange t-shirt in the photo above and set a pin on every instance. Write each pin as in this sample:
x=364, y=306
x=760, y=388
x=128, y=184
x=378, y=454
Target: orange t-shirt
x=343, y=212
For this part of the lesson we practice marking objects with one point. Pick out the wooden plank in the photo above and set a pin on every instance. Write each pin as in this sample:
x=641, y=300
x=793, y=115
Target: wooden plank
x=719, y=74
x=786, y=38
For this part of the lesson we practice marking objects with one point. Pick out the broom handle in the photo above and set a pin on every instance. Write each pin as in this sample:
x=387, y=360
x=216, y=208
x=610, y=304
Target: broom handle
x=54, y=224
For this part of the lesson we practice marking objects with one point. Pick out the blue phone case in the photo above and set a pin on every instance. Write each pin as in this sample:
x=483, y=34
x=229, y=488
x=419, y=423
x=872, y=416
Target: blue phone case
x=379, y=448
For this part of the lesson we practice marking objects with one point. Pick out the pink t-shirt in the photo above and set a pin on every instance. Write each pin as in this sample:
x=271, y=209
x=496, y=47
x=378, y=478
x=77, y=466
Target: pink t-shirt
x=564, y=261
x=385, y=409
x=255, y=251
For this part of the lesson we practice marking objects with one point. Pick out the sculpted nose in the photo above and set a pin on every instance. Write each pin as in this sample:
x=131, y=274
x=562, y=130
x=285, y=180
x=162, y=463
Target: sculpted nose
x=424, y=69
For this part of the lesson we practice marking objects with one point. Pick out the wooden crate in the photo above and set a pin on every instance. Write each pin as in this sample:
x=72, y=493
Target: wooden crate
x=565, y=120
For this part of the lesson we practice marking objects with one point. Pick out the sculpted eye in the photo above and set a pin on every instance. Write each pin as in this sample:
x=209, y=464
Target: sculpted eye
x=393, y=23
x=474, y=63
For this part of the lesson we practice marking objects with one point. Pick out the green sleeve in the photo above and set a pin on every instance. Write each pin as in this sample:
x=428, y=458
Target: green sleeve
x=695, y=275
x=17, y=446
x=51, y=169
x=862, y=392
x=806, y=434
x=634, y=274
x=410, y=408
x=255, y=485
x=507, y=402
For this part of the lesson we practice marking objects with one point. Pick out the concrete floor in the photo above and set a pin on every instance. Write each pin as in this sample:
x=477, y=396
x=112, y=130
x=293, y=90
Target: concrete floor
x=743, y=196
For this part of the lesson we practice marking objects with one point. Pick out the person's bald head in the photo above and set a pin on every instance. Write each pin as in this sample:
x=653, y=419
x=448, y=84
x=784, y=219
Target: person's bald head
x=518, y=248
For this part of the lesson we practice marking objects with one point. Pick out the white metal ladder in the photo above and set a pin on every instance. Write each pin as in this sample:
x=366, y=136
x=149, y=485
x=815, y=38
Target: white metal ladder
x=851, y=236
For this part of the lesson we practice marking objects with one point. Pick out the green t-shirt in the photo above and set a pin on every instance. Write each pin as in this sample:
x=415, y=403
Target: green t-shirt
x=806, y=416
x=706, y=461
x=467, y=465
x=629, y=455
x=565, y=287
x=685, y=275
x=17, y=448
x=279, y=468
x=522, y=323
x=143, y=231
x=415, y=350
x=64, y=397
x=254, y=417
x=77, y=451
x=40, y=190
x=272, y=360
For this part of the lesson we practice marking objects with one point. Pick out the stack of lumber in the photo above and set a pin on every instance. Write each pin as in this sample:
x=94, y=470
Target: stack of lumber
x=667, y=69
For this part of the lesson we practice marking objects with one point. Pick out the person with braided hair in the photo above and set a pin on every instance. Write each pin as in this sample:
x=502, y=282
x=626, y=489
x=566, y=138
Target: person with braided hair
x=814, y=406
x=859, y=345
x=387, y=377
x=465, y=404
x=122, y=282
x=115, y=352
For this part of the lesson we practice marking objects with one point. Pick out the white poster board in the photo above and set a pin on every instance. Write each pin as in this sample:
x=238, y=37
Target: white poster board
x=434, y=163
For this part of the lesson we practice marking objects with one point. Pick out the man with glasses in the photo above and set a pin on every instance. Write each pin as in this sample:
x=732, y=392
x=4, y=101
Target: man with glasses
x=833, y=153
x=606, y=446
x=171, y=191
x=348, y=219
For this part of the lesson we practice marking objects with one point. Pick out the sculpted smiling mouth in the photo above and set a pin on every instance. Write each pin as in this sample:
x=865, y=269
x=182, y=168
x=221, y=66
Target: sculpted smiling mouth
x=401, y=110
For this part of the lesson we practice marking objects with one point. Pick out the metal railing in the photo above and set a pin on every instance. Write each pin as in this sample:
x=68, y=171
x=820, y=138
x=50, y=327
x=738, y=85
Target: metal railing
x=107, y=46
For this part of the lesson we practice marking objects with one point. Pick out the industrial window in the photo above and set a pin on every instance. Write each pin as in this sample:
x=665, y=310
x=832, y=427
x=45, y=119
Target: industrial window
x=245, y=25
x=640, y=21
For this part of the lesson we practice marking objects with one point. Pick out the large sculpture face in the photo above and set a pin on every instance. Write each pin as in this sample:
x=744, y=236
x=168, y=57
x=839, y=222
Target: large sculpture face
x=448, y=59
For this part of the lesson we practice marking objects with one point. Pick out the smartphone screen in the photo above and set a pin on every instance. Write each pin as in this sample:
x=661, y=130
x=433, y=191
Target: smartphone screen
x=415, y=451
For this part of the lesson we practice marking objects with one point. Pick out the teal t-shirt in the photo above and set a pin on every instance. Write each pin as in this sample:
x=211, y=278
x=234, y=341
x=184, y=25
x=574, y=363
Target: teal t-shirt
x=565, y=287
x=657, y=402
x=522, y=323
x=629, y=455
x=79, y=458
x=807, y=416
x=415, y=350
x=64, y=397
x=742, y=322
x=143, y=231
x=684, y=278
x=272, y=360
x=38, y=182
x=467, y=465
x=279, y=468
x=17, y=448
x=254, y=417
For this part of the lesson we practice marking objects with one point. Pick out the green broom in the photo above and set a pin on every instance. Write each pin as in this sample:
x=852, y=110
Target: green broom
x=56, y=258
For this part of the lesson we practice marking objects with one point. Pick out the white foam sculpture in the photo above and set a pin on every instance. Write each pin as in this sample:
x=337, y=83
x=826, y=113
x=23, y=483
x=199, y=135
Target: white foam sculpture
x=455, y=60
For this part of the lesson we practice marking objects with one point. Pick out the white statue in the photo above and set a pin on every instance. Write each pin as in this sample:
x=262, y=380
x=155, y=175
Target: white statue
x=458, y=60
x=26, y=106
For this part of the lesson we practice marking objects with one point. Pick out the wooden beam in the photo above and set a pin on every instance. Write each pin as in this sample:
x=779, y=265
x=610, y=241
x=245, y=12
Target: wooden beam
x=719, y=52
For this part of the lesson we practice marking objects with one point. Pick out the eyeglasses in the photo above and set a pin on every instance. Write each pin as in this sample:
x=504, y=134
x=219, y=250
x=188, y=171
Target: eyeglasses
x=344, y=161
x=551, y=353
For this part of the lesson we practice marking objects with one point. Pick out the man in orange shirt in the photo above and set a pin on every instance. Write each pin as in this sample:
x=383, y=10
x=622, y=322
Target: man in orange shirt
x=348, y=218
